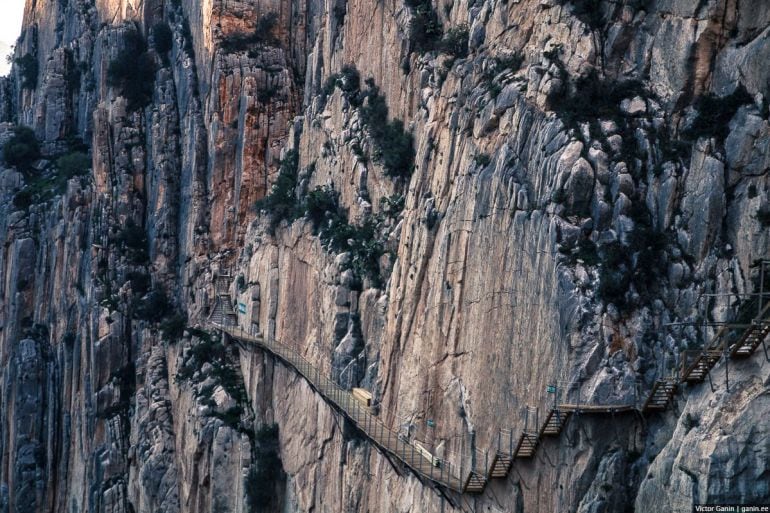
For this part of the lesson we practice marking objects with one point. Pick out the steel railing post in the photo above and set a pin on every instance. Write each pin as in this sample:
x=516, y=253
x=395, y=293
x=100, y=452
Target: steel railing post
x=761, y=288
x=462, y=474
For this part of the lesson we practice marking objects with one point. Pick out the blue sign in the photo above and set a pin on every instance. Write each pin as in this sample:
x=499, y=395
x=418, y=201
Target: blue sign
x=242, y=308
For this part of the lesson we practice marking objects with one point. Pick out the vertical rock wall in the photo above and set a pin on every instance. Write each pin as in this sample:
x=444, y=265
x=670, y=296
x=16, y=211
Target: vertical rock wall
x=565, y=203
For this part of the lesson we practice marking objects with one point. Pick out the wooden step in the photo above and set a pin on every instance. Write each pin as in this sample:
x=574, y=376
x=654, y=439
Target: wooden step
x=501, y=465
x=750, y=340
x=475, y=484
x=526, y=446
x=660, y=396
x=554, y=423
x=700, y=366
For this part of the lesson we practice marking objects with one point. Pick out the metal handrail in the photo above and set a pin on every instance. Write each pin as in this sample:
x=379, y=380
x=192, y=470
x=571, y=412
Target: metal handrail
x=437, y=469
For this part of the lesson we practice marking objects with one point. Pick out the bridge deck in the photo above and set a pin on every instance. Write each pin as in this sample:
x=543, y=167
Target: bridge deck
x=444, y=474
x=695, y=367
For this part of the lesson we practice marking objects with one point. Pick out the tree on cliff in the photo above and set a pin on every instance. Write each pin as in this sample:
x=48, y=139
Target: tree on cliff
x=21, y=149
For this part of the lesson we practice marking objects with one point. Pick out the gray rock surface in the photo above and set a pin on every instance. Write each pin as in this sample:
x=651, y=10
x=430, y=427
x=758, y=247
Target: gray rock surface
x=547, y=235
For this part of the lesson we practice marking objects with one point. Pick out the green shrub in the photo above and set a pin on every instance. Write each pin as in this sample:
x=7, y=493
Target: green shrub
x=132, y=239
x=691, y=421
x=613, y=285
x=132, y=72
x=264, y=34
x=393, y=205
x=455, y=41
x=266, y=27
x=320, y=204
x=22, y=149
x=75, y=144
x=140, y=282
x=69, y=339
x=231, y=417
x=482, y=159
x=425, y=29
x=23, y=199
x=347, y=80
x=73, y=164
x=393, y=145
x=264, y=95
x=640, y=264
x=49, y=182
x=363, y=242
x=162, y=38
x=715, y=113
x=591, y=97
x=511, y=61
x=172, y=326
x=589, y=12
x=153, y=307
x=281, y=202
x=28, y=69
x=585, y=251
x=763, y=215
x=215, y=353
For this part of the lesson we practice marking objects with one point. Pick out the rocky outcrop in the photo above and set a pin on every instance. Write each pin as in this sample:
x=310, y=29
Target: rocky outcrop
x=452, y=224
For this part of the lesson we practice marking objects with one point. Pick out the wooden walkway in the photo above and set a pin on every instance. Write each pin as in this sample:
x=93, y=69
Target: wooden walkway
x=453, y=476
x=434, y=469
x=697, y=364
x=462, y=477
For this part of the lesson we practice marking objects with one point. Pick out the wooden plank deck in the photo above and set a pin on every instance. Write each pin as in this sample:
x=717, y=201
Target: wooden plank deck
x=430, y=467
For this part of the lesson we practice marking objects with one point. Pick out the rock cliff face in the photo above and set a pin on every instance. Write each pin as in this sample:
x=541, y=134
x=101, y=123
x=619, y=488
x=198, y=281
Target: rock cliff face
x=452, y=204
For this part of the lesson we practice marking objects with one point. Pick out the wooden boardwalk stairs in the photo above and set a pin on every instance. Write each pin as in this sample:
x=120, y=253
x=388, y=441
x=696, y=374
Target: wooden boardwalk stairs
x=222, y=314
x=697, y=364
x=737, y=341
x=661, y=395
x=437, y=470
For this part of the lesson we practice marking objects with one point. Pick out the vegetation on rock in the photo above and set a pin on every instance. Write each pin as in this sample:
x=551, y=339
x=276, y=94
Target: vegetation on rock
x=132, y=72
x=281, y=204
x=73, y=164
x=263, y=35
x=22, y=149
x=363, y=242
x=162, y=40
x=715, y=113
x=28, y=69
